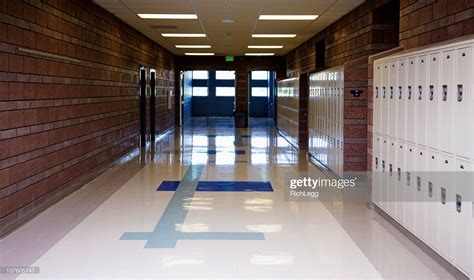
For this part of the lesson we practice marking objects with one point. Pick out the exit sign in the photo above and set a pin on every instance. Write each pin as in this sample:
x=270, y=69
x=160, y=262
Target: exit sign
x=229, y=58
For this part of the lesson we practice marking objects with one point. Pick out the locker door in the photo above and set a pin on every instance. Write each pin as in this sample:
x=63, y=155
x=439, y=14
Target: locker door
x=446, y=203
x=377, y=98
x=400, y=192
x=409, y=188
x=434, y=88
x=385, y=98
x=446, y=102
x=420, y=101
x=392, y=177
x=420, y=193
x=384, y=180
x=432, y=198
x=462, y=103
x=462, y=237
x=411, y=107
x=401, y=99
x=392, y=99
x=376, y=169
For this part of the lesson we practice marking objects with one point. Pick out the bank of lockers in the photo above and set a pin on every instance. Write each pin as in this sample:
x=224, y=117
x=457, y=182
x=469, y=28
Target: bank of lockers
x=423, y=153
x=326, y=118
x=288, y=108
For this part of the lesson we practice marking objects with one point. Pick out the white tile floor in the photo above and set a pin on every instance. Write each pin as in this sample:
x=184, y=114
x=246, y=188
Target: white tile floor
x=79, y=238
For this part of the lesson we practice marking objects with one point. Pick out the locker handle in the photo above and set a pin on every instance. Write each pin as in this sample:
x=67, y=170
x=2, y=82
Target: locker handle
x=390, y=170
x=409, y=92
x=458, y=203
x=420, y=92
x=408, y=178
x=430, y=189
x=443, y=195
x=431, y=92
x=377, y=163
x=391, y=92
x=460, y=93
x=384, y=92
x=383, y=165
x=418, y=183
x=399, y=174
x=445, y=92
x=400, y=92
x=462, y=166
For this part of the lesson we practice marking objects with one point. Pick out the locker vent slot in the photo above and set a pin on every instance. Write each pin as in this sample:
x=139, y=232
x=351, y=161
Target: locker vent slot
x=445, y=92
x=430, y=189
x=459, y=93
x=420, y=92
x=431, y=92
x=443, y=195
x=418, y=183
x=408, y=178
x=458, y=203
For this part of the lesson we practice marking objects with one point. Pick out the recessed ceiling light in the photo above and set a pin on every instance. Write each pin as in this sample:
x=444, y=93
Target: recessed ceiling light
x=274, y=35
x=200, y=54
x=190, y=35
x=288, y=17
x=259, y=54
x=265, y=47
x=193, y=46
x=228, y=21
x=168, y=16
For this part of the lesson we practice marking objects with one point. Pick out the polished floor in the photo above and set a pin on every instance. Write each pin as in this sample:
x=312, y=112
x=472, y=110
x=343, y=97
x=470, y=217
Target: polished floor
x=120, y=226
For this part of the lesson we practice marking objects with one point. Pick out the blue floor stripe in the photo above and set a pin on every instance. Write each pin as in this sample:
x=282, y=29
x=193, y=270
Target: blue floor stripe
x=221, y=186
x=237, y=152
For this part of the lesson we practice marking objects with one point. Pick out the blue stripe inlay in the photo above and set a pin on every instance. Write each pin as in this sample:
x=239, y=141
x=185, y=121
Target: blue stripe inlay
x=222, y=186
x=166, y=235
x=237, y=152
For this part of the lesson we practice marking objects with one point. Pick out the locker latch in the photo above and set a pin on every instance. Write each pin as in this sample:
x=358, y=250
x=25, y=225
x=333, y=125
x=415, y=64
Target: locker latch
x=445, y=92
x=376, y=163
x=431, y=92
x=409, y=92
x=418, y=183
x=430, y=189
x=443, y=195
x=376, y=92
x=390, y=170
x=384, y=92
x=458, y=203
x=399, y=174
x=420, y=92
x=459, y=93
x=400, y=92
x=383, y=165
x=408, y=178
x=391, y=92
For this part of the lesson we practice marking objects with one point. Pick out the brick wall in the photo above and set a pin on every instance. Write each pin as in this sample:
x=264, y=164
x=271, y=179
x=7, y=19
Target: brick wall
x=424, y=22
x=368, y=29
x=63, y=118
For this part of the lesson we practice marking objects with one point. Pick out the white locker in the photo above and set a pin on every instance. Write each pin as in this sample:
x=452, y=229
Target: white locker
x=446, y=102
x=410, y=188
x=377, y=118
x=410, y=132
x=420, y=100
x=401, y=99
x=420, y=193
x=400, y=192
x=446, y=165
x=462, y=217
x=392, y=99
x=385, y=98
x=434, y=89
x=432, y=198
x=392, y=177
x=462, y=142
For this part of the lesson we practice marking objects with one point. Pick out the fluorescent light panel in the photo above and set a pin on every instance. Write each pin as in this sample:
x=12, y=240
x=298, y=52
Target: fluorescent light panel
x=200, y=54
x=259, y=54
x=168, y=16
x=288, y=17
x=193, y=46
x=184, y=35
x=274, y=35
x=265, y=47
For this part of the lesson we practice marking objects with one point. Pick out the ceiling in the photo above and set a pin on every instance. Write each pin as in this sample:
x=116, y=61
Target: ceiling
x=229, y=39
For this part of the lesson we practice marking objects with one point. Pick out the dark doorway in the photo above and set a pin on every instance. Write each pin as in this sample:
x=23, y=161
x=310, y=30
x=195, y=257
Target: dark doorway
x=152, y=104
x=261, y=94
x=142, y=106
